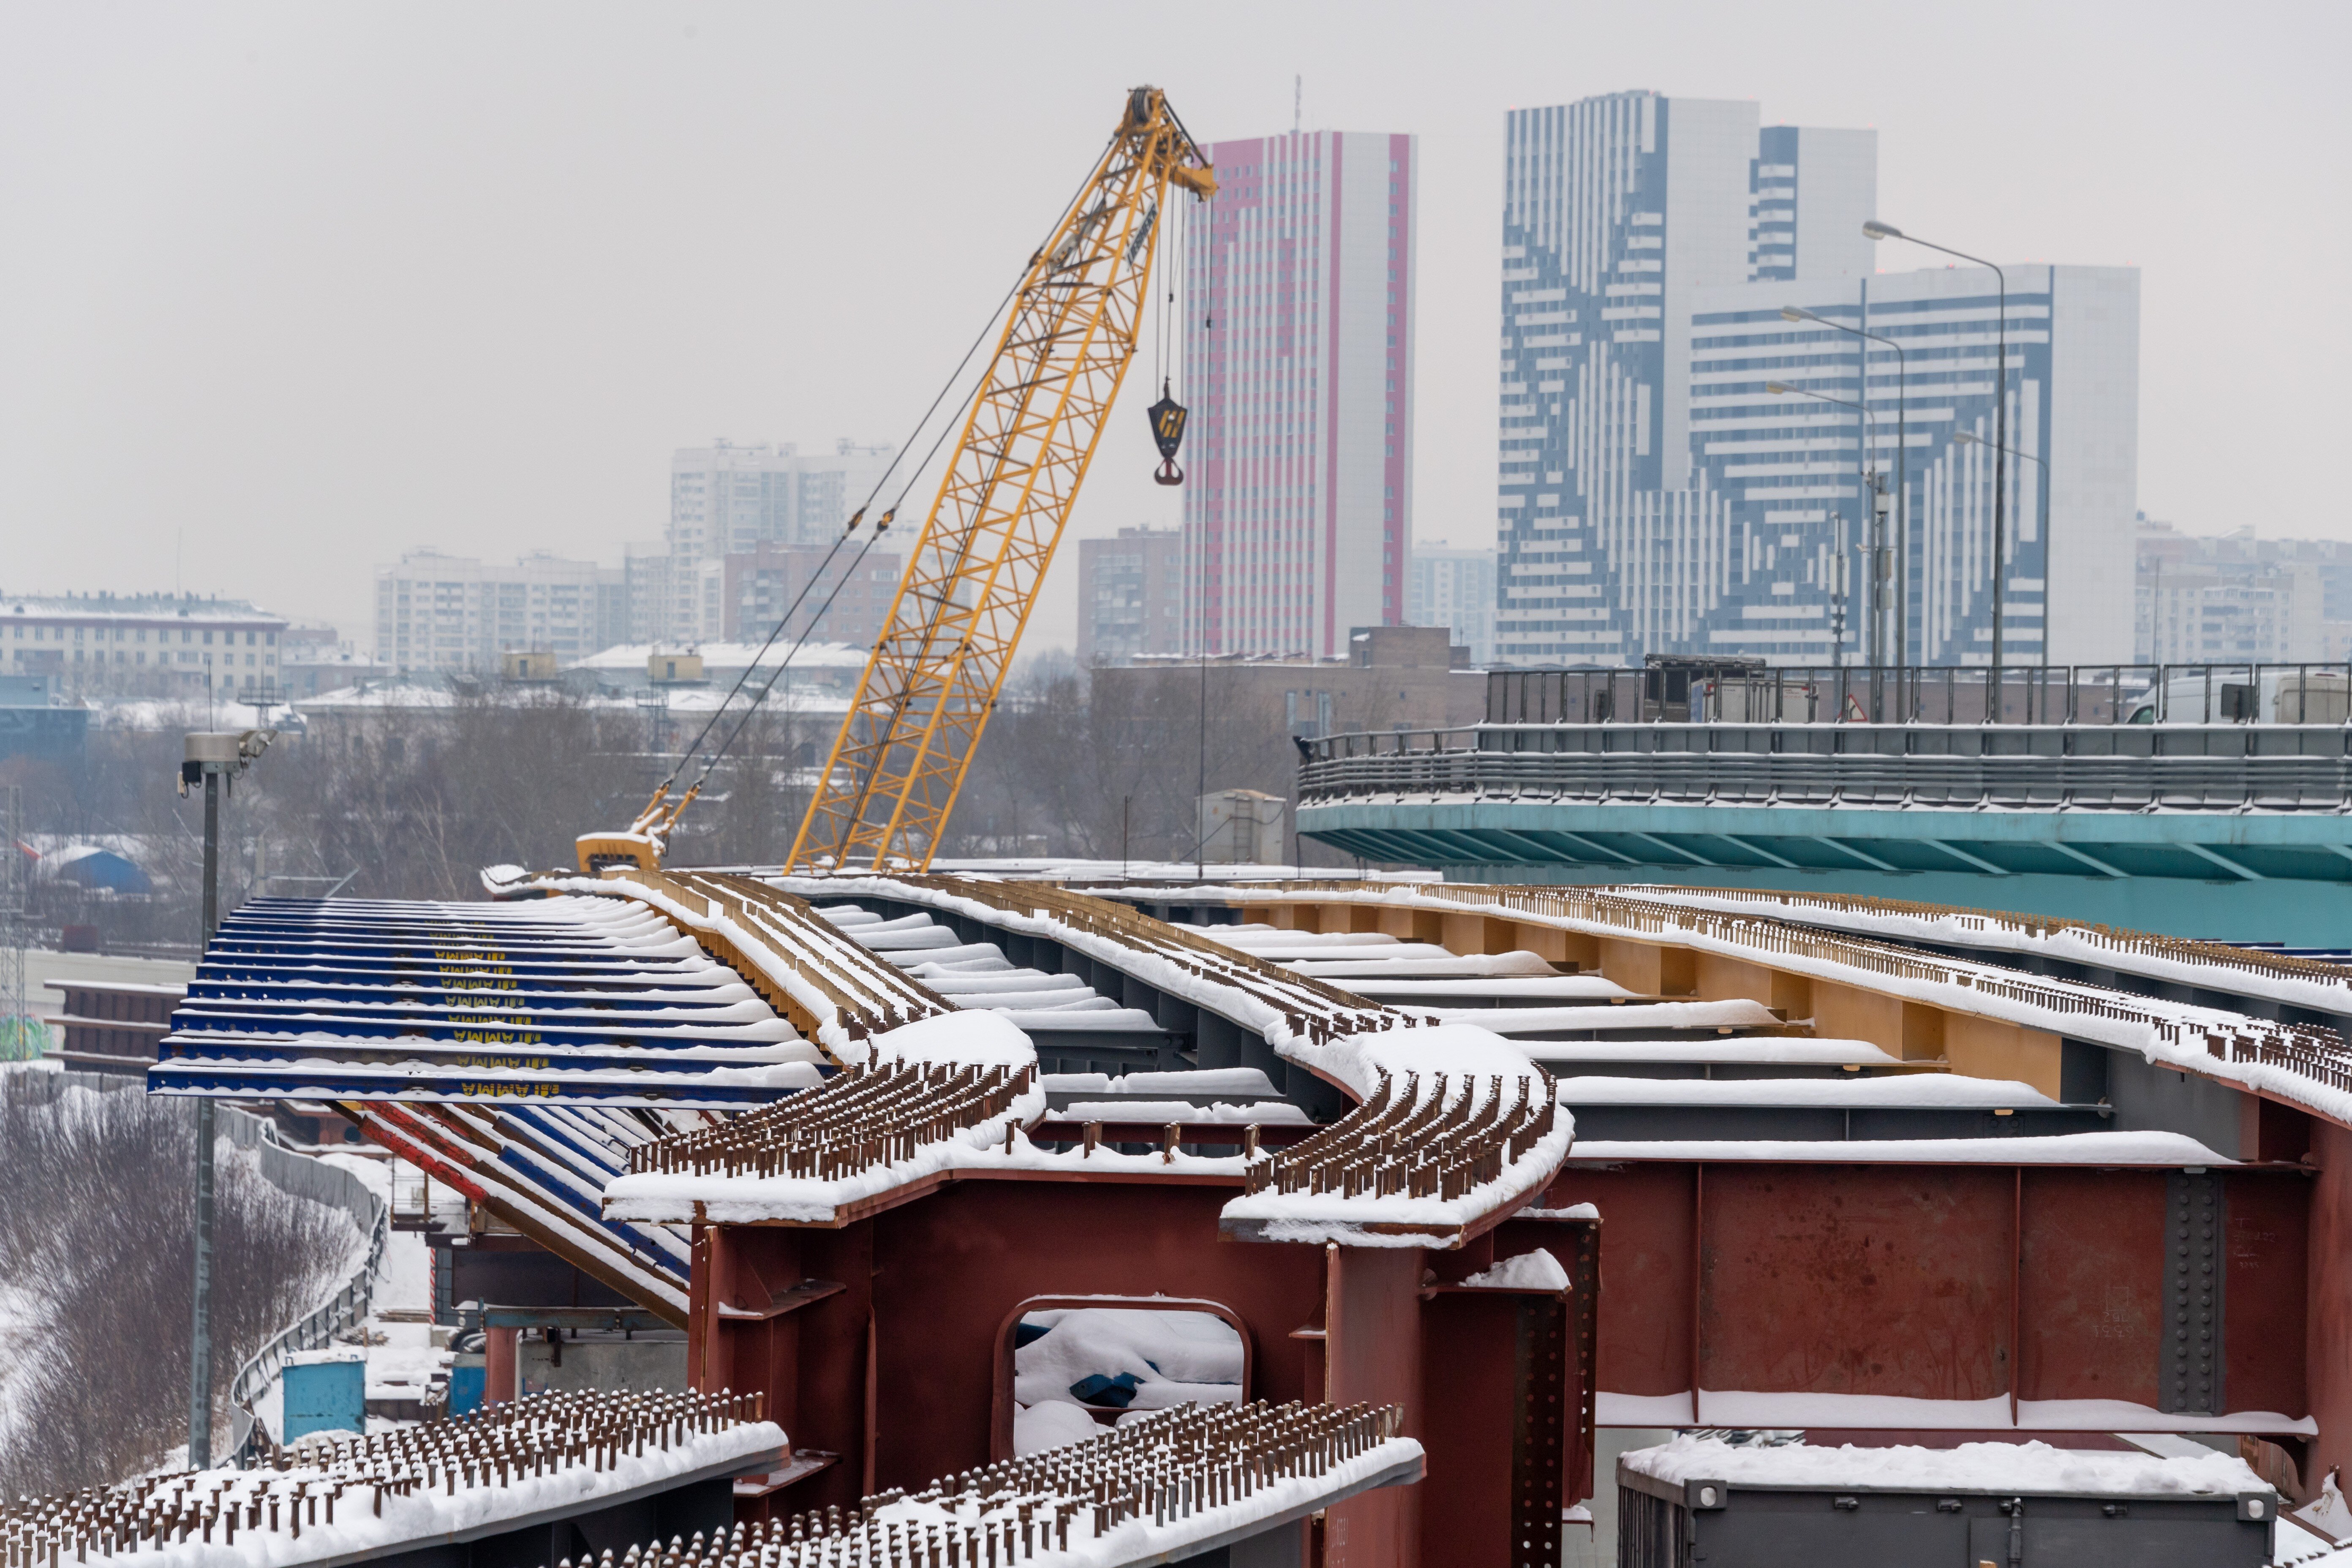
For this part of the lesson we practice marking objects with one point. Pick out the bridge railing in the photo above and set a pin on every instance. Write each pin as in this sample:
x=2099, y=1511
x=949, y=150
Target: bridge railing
x=2209, y=767
x=304, y=1177
x=1696, y=690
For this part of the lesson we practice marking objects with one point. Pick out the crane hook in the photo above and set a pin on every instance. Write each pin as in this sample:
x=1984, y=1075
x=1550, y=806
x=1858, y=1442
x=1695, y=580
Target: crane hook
x=1168, y=417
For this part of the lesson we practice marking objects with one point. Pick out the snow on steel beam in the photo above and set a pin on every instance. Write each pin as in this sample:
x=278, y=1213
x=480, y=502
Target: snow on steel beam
x=1463, y=1130
x=211, y=1078
x=834, y=991
x=435, y=1020
x=2305, y=1065
x=1281, y=1006
x=1161, y=1487
x=545, y=1183
x=416, y=1491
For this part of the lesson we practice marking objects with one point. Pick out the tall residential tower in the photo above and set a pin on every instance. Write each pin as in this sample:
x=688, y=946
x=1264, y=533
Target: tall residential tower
x=1615, y=209
x=1298, y=287
x=1684, y=469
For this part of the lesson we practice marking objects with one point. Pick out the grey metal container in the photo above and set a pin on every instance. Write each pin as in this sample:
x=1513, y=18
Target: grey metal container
x=1664, y=1524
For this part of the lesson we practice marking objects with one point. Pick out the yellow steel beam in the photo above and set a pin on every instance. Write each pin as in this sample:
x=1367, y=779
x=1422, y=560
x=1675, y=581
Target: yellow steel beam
x=973, y=577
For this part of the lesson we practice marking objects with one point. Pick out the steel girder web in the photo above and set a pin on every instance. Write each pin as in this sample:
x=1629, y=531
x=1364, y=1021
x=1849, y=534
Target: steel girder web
x=974, y=577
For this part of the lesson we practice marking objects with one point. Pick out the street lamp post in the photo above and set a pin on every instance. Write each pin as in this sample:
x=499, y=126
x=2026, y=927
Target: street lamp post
x=1873, y=230
x=215, y=758
x=1967, y=438
x=1869, y=517
x=1902, y=474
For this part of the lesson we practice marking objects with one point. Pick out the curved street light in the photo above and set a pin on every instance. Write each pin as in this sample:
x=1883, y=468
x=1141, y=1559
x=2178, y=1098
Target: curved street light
x=1969, y=438
x=1873, y=230
x=1869, y=426
x=1902, y=467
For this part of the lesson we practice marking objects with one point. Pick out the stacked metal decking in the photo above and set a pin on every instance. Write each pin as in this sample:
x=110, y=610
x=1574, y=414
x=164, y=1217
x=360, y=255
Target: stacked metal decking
x=515, y=1052
x=592, y=1001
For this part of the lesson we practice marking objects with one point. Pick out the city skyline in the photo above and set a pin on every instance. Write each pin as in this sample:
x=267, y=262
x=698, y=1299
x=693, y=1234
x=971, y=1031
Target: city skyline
x=227, y=334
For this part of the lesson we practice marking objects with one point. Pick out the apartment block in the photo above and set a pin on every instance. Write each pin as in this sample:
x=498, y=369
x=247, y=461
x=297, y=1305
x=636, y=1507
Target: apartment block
x=1130, y=595
x=436, y=613
x=1455, y=589
x=730, y=498
x=1298, y=367
x=100, y=644
x=840, y=597
x=2234, y=598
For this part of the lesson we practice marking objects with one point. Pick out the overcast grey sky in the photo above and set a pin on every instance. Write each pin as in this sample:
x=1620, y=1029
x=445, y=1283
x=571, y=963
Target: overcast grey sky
x=310, y=284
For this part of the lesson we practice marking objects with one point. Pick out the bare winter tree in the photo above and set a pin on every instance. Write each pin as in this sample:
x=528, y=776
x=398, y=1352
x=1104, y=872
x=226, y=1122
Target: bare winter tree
x=95, y=1219
x=1065, y=769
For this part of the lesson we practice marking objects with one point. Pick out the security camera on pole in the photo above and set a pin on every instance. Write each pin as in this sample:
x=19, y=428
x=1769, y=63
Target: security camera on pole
x=215, y=758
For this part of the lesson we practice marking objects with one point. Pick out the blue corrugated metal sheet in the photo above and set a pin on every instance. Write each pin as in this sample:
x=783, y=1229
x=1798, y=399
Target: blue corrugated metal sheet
x=581, y=1000
x=516, y=1051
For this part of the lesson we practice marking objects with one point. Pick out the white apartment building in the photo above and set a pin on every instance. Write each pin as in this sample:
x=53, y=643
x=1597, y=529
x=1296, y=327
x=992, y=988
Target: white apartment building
x=95, y=643
x=1684, y=469
x=2235, y=597
x=1782, y=481
x=728, y=499
x=1298, y=504
x=436, y=613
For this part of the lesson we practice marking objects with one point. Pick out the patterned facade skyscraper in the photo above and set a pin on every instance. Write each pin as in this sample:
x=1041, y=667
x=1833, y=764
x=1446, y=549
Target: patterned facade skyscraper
x=1657, y=495
x=1615, y=208
x=1298, y=292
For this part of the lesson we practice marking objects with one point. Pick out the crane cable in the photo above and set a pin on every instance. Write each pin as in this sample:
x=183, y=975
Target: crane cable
x=881, y=526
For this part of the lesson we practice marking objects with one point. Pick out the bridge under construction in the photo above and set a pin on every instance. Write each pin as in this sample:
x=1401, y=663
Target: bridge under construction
x=1791, y=1163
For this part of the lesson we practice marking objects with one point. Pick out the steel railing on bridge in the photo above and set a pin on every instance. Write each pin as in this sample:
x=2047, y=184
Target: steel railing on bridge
x=2203, y=767
x=1747, y=691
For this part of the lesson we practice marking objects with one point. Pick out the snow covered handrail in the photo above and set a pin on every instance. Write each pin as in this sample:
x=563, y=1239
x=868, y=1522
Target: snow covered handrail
x=302, y=1176
x=874, y=1115
x=1176, y=1483
x=500, y=1467
x=1405, y=1142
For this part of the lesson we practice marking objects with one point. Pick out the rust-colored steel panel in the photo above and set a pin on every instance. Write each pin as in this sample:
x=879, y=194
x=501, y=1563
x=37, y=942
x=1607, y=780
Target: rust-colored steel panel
x=1494, y=1368
x=812, y=1361
x=2264, y=1302
x=2327, y=1336
x=2092, y=1298
x=1374, y=1349
x=1576, y=1245
x=949, y=1267
x=1578, y=1450
x=1838, y=1279
x=1644, y=1335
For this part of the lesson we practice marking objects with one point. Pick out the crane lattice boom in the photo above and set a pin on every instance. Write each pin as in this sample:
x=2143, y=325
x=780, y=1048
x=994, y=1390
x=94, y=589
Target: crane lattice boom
x=974, y=574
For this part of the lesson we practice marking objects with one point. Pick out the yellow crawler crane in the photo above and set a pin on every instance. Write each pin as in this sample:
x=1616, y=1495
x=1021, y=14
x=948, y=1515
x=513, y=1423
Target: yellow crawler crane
x=974, y=574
